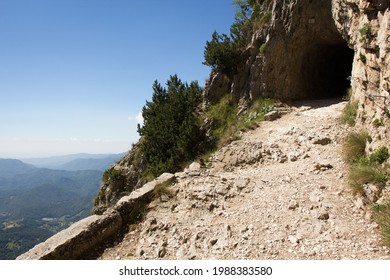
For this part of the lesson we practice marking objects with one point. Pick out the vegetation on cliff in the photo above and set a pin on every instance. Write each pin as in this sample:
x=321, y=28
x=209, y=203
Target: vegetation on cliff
x=171, y=130
x=224, y=53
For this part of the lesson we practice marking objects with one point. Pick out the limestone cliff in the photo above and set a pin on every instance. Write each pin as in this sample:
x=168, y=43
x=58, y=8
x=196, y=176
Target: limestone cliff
x=366, y=27
x=314, y=49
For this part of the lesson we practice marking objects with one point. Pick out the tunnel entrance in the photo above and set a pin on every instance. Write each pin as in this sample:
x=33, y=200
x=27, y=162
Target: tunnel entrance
x=325, y=70
x=311, y=59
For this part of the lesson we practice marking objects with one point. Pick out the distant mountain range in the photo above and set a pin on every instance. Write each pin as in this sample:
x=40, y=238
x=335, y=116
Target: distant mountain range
x=76, y=161
x=37, y=202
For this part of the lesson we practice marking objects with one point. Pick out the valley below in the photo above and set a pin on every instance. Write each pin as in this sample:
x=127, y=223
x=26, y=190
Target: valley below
x=37, y=202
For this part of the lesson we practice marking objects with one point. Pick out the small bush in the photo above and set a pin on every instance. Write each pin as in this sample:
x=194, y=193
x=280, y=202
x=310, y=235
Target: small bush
x=112, y=174
x=380, y=155
x=366, y=31
x=377, y=123
x=221, y=54
x=354, y=146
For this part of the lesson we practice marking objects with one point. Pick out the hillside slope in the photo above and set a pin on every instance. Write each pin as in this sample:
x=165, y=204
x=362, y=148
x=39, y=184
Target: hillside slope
x=277, y=193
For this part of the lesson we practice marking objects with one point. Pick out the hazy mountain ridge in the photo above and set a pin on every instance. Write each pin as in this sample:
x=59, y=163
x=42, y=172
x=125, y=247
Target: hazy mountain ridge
x=12, y=167
x=57, y=162
x=37, y=202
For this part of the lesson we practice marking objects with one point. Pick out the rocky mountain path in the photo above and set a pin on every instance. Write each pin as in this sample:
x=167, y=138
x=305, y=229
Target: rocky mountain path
x=277, y=193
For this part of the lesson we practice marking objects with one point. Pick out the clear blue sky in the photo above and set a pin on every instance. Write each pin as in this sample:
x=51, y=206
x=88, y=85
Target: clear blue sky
x=74, y=74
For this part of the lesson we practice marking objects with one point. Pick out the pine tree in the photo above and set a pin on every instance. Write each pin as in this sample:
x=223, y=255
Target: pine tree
x=170, y=133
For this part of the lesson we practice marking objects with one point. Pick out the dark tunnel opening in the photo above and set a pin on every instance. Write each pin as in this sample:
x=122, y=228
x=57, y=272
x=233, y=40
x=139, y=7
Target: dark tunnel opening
x=325, y=70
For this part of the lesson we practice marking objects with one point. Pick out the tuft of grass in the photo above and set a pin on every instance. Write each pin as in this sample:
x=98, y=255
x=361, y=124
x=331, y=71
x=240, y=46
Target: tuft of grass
x=382, y=217
x=162, y=189
x=354, y=146
x=223, y=115
x=363, y=58
x=364, y=169
x=364, y=174
x=262, y=48
x=350, y=110
x=349, y=113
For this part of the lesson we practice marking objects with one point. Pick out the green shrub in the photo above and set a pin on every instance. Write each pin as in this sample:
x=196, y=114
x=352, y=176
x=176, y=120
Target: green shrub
x=377, y=122
x=366, y=32
x=258, y=109
x=380, y=155
x=221, y=54
x=350, y=110
x=171, y=134
x=112, y=174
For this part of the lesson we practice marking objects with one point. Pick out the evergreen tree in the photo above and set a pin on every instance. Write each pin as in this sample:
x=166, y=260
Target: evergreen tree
x=170, y=133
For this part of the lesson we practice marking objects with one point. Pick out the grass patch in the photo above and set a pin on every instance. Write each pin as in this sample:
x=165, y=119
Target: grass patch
x=350, y=110
x=226, y=123
x=349, y=113
x=363, y=174
x=354, y=146
x=364, y=169
x=262, y=48
x=161, y=190
x=223, y=118
x=363, y=58
x=382, y=217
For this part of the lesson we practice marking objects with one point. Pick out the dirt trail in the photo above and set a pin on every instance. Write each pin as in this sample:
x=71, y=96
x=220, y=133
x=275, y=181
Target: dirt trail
x=277, y=193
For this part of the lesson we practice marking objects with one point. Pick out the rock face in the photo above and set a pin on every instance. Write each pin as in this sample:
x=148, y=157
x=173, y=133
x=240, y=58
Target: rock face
x=311, y=49
x=128, y=178
x=366, y=27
